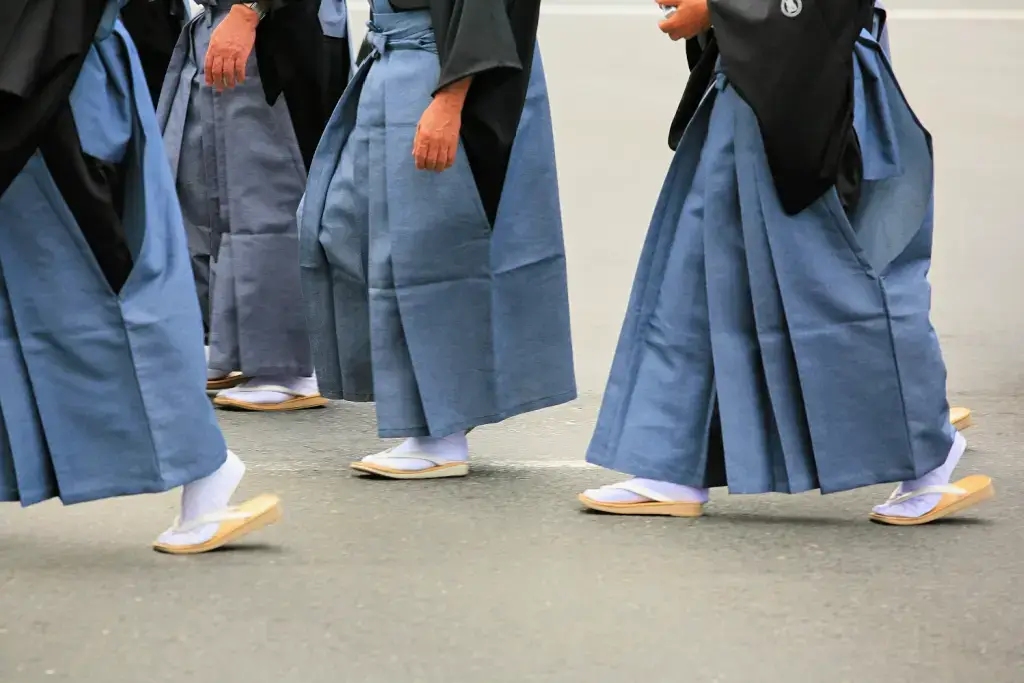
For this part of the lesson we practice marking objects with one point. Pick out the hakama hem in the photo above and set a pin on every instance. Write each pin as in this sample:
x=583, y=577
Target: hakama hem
x=289, y=370
x=462, y=427
x=92, y=494
x=698, y=479
x=347, y=397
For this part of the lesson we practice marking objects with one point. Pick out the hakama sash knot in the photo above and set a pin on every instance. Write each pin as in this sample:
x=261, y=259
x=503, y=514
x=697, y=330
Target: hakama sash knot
x=386, y=35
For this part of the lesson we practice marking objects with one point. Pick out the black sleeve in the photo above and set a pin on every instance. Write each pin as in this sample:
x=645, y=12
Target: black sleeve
x=275, y=5
x=42, y=49
x=473, y=37
x=154, y=26
x=311, y=70
x=702, y=60
x=284, y=27
x=792, y=62
x=43, y=44
x=493, y=41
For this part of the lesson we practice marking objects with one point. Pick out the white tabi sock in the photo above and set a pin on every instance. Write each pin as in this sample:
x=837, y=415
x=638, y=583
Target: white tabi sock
x=675, y=492
x=303, y=386
x=205, y=496
x=454, y=448
x=940, y=476
x=211, y=373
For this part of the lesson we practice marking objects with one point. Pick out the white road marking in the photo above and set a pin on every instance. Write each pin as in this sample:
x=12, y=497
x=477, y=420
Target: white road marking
x=331, y=464
x=537, y=464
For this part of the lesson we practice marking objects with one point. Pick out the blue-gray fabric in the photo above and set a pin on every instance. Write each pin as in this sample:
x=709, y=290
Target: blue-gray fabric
x=776, y=353
x=240, y=177
x=333, y=16
x=412, y=301
x=101, y=394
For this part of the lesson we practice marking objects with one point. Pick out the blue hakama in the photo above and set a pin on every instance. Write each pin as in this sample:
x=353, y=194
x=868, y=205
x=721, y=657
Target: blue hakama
x=102, y=393
x=412, y=299
x=778, y=353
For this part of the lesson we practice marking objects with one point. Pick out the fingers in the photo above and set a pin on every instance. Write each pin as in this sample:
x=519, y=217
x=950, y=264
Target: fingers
x=445, y=155
x=690, y=18
x=419, y=151
x=450, y=159
x=436, y=154
x=224, y=72
x=672, y=33
x=240, y=69
x=216, y=73
x=228, y=73
x=234, y=71
x=208, y=67
x=433, y=154
x=674, y=27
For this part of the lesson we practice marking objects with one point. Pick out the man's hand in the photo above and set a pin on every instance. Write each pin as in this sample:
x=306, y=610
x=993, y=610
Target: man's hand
x=437, y=134
x=691, y=18
x=230, y=46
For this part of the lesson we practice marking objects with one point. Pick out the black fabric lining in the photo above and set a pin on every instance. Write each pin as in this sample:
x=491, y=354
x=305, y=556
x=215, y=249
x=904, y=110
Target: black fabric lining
x=94, y=191
x=154, y=26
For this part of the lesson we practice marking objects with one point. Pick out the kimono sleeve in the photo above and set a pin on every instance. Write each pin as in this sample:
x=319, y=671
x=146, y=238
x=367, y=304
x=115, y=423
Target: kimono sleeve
x=792, y=62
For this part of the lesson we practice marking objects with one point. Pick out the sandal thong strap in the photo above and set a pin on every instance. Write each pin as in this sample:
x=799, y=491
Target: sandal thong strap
x=899, y=497
x=641, y=490
x=276, y=388
x=225, y=515
x=409, y=455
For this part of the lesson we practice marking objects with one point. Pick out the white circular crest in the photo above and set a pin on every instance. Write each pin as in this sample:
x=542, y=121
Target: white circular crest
x=792, y=8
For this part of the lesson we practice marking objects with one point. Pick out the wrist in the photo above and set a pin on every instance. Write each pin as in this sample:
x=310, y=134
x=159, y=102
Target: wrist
x=455, y=93
x=250, y=13
x=452, y=101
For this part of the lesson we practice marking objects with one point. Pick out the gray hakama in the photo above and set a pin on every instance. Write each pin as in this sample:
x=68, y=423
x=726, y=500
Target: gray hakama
x=240, y=177
x=100, y=393
x=412, y=300
x=769, y=352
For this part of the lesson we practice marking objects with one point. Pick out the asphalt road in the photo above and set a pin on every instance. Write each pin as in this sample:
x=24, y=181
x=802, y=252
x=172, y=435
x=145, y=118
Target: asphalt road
x=500, y=578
